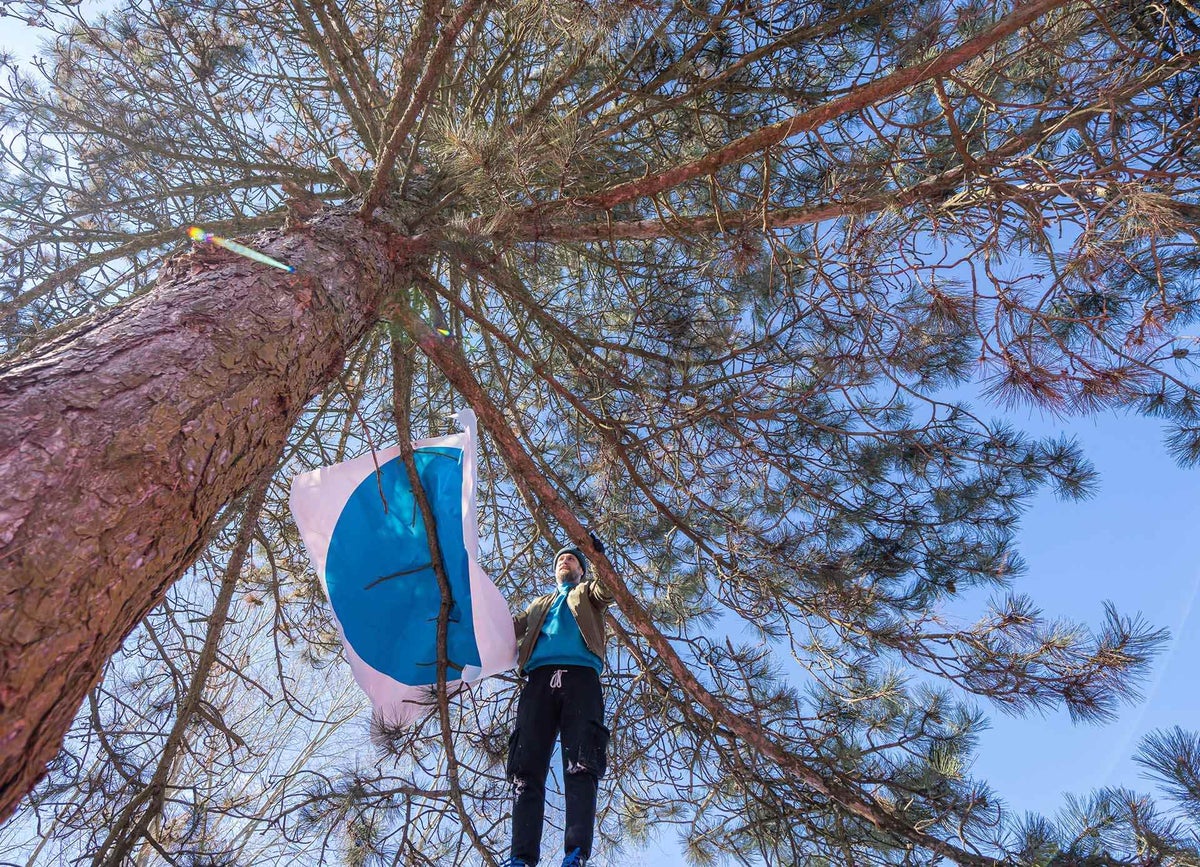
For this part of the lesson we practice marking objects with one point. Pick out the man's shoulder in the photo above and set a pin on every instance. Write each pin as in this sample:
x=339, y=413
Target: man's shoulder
x=593, y=589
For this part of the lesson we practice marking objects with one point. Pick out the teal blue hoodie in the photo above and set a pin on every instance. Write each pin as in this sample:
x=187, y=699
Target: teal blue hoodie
x=560, y=641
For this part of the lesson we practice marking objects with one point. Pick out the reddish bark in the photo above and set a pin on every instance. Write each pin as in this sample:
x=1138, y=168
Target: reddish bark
x=537, y=225
x=121, y=440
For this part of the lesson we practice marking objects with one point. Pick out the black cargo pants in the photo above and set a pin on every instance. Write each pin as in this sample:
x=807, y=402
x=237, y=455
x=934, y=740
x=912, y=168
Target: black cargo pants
x=557, y=699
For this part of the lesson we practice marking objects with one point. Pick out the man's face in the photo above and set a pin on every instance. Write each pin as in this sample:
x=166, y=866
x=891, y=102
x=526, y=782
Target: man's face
x=567, y=569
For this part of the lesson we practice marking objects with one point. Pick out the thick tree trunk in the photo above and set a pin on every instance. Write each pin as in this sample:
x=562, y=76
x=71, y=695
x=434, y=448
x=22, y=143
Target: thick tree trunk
x=120, y=441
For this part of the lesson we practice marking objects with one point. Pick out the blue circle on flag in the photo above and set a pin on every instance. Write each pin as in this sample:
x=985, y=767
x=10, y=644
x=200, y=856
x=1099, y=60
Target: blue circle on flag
x=380, y=576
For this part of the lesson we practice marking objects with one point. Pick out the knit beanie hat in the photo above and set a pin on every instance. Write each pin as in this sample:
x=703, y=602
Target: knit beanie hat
x=583, y=564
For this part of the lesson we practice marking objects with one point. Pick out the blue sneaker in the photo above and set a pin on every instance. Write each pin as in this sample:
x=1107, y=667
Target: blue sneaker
x=574, y=858
x=514, y=862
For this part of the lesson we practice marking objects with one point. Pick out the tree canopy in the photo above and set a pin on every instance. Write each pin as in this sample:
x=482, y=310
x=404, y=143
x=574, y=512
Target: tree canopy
x=733, y=285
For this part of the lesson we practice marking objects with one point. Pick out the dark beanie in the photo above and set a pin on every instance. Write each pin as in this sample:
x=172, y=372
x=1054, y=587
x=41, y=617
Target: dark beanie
x=583, y=564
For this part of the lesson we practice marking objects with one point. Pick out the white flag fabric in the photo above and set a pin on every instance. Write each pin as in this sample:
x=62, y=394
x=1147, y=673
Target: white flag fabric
x=366, y=538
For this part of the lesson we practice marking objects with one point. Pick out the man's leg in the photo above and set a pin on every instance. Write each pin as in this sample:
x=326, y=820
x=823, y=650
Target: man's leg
x=529, y=751
x=584, y=753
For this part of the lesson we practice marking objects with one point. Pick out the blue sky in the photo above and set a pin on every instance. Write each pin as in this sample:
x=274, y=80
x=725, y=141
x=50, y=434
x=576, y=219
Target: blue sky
x=1135, y=543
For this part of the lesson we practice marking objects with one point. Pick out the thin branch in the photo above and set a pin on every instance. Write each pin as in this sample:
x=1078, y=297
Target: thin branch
x=122, y=836
x=349, y=101
x=382, y=180
x=402, y=377
x=140, y=244
x=537, y=225
x=417, y=48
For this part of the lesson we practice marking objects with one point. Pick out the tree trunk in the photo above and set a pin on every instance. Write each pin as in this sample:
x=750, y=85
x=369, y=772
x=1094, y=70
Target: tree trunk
x=121, y=440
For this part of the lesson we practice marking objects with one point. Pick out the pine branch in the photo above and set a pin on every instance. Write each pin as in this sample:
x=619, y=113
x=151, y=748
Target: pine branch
x=869, y=94
x=125, y=831
x=140, y=244
x=382, y=179
x=795, y=36
x=414, y=53
x=352, y=102
x=454, y=366
x=402, y=377
x=350, y=55
x=543, y=225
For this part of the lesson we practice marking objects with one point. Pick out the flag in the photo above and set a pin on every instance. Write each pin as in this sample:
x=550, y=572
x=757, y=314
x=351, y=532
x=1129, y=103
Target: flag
x=365, y=535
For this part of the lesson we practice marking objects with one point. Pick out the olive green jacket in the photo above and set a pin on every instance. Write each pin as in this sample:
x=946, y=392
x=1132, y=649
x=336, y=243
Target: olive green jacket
x=587, y=601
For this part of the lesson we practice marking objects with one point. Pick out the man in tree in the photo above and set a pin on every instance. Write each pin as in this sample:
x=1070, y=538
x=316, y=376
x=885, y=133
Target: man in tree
x=561, y=637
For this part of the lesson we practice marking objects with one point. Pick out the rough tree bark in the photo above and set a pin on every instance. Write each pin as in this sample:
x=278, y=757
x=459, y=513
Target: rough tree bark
x=121, y=440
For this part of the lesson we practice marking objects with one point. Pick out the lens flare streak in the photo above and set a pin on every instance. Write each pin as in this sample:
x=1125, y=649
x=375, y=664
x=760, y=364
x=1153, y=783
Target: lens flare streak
x=200, y=237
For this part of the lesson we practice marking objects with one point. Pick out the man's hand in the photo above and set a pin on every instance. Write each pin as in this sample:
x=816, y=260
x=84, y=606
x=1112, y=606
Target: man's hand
x=596, y=543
